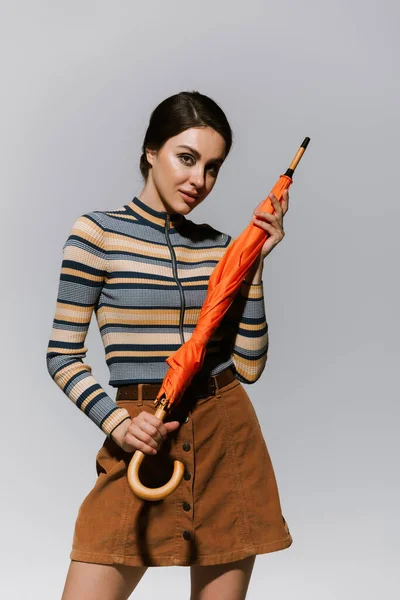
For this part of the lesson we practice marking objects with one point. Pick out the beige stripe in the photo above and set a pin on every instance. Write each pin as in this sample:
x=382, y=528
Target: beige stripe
x=141, y=338
x=81, y=274
x=121, y=243
x=137, y=316
x=149, y=353
x=139, y=280
x=252, y=327
x=133, y=265
x=250, y=343
x=82, y=256
x=92, y=395
x=64, y=375
x=147, y=216
x=88, y=230
x=114, y=419
x=68, y=311
x=253, y=292
x=248, y=366
x=137, y=267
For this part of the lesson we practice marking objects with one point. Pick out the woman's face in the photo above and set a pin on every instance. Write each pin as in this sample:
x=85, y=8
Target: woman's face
x=188, y=162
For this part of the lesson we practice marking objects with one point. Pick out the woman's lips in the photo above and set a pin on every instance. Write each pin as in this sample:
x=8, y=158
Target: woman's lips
x=188, y=199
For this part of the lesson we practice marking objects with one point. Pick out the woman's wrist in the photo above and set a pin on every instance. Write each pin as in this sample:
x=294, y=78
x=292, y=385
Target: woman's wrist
x=119, y=432
x=254, y=276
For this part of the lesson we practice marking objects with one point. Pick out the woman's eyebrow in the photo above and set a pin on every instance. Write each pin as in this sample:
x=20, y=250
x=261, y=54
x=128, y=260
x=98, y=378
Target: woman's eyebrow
x=198, y=155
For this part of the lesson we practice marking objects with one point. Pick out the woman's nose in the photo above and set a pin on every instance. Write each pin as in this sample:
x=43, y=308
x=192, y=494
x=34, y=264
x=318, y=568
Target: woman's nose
x=197, y=178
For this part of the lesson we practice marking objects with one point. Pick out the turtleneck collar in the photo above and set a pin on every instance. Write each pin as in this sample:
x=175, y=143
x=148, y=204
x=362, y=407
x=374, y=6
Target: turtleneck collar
x=154, y=218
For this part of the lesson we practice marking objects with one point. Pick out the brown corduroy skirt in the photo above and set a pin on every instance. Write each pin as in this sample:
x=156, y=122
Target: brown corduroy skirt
x=226, y=507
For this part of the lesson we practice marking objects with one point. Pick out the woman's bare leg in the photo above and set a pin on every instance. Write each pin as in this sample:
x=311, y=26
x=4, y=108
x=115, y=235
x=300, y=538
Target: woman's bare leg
x=223, y=582
x=91, y=581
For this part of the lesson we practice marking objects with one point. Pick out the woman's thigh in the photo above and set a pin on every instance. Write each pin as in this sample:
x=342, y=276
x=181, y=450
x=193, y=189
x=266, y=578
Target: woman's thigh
x=223, y=582
x=91, y=581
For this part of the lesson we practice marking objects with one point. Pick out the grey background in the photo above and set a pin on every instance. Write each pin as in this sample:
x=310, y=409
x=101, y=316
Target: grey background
x=79, y=80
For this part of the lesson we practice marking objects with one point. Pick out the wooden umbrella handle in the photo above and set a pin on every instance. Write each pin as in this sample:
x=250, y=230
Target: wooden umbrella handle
x=133, y=473
x=296, y=159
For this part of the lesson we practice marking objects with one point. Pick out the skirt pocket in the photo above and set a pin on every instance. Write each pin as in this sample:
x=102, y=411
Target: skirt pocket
x=109, y=457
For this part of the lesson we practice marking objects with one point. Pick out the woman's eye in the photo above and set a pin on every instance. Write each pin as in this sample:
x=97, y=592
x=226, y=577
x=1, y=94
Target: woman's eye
x=184, y=156
x=215, y=170
x=188, y=157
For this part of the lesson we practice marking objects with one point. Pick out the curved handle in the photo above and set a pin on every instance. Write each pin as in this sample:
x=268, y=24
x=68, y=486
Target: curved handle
x=133, y=473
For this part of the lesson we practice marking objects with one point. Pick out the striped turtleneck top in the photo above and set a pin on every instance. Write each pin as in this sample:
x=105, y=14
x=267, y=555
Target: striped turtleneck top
x=145, y=275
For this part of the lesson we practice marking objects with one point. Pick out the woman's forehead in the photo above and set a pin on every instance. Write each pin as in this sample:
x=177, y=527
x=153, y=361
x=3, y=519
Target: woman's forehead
x=202, y=140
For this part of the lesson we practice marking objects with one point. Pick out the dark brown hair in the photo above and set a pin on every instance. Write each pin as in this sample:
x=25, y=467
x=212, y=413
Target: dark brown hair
x=178, y=113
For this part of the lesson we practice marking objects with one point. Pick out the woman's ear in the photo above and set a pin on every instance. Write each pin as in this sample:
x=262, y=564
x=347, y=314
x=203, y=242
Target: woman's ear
x=150, y=155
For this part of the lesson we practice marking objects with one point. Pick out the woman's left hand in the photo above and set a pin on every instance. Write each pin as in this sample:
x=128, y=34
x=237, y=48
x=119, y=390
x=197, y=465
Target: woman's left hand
x=272, y=223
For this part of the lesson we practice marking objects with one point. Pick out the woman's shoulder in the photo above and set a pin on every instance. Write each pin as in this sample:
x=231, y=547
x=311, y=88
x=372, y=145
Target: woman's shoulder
x=205, y=231
x=105, y=217
x=96, y=216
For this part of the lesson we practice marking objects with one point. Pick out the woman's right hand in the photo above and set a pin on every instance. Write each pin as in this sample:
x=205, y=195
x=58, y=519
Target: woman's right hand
x=145, y=432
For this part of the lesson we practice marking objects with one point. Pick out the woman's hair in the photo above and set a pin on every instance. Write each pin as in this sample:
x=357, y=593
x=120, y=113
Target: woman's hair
x=178, y=113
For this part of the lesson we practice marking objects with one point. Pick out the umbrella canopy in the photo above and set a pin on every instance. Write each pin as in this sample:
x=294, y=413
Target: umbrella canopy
x=223, y=286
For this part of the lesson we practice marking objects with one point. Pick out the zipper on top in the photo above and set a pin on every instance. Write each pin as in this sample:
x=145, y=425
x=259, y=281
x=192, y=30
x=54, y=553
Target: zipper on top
x=175, y=271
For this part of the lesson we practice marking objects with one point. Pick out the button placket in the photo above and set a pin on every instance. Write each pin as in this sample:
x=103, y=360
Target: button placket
x=186, y=499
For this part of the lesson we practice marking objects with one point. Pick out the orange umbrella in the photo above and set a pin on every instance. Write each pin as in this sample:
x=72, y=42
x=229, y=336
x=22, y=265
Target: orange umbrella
x=223, y=286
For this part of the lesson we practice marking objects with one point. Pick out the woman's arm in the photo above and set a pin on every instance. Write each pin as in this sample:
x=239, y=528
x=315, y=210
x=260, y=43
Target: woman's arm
x=247, y=319
x=248, y=309
x=83, y=271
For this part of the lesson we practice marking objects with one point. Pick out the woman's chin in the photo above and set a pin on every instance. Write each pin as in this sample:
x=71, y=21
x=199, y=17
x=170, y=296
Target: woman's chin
x=182, y=207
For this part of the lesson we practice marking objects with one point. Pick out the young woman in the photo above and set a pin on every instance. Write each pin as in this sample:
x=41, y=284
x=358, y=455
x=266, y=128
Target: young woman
x=143, y=268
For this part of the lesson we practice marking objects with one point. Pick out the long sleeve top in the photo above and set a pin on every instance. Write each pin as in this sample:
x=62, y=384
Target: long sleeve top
x=144, y=273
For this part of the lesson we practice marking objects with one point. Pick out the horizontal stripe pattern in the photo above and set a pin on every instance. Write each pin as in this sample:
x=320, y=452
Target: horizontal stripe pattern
x=145, y=278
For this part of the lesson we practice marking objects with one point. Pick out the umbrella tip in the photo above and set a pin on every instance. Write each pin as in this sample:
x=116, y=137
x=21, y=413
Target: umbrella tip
x=305, y=143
